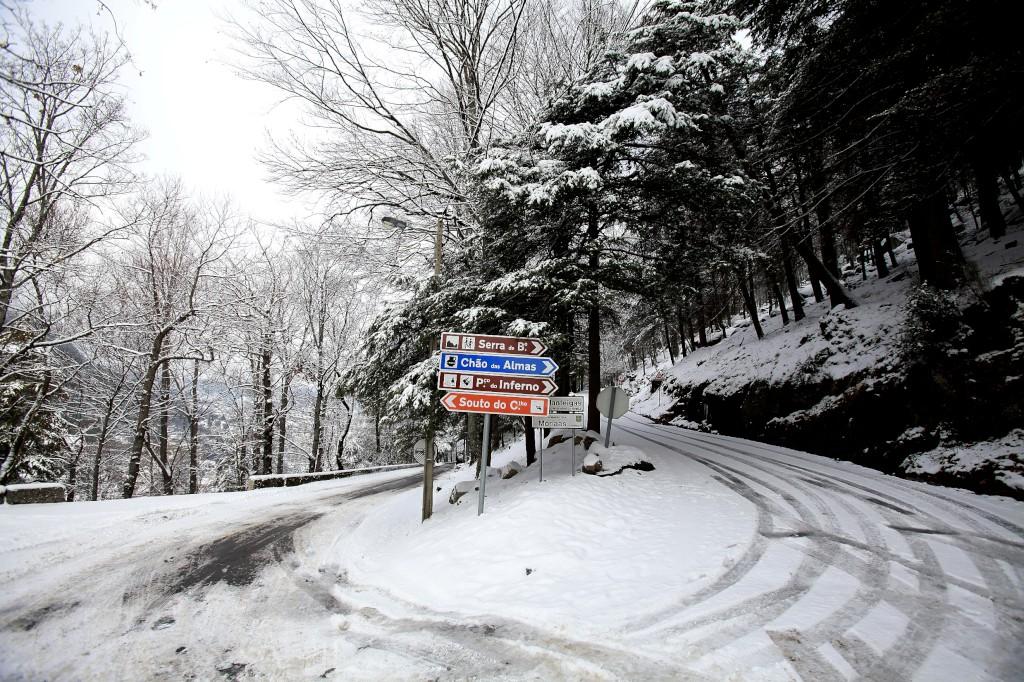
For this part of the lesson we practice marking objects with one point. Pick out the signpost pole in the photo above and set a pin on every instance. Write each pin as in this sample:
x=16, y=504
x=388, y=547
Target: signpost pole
x=574, y=452
x=428, y=476
x=541, y=454
x=485, y=456
x=608, y=429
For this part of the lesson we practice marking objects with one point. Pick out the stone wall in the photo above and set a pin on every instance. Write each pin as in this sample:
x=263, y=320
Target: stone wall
x=33, y=493
x=288, y=480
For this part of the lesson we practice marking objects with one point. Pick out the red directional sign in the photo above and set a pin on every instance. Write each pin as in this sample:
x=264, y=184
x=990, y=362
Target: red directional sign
x=495, y=383
x=484, y=343
x=519, y=406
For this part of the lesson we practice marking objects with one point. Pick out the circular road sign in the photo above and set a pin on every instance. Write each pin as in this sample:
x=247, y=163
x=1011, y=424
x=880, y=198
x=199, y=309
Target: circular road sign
x=604, y=402
x=419, y=450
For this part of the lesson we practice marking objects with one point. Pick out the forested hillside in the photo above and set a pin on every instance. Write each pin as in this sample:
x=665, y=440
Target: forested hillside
x=618, y=178
x=688, y=178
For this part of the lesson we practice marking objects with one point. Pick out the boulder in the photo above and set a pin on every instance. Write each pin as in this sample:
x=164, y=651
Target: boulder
x=587, y=438
x=460, y=489
x=591, y=464
x=511, y=469
x=35, y=493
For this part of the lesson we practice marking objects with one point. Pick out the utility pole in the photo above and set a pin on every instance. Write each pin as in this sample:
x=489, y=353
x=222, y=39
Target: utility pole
x=428, y=460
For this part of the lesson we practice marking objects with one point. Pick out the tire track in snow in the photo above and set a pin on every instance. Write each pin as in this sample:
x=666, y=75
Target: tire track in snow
x=924, y=611
x=489, y=647
x=937, y=497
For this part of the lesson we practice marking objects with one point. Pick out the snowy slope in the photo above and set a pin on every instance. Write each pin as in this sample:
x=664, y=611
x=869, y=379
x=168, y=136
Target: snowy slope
x=808, y=365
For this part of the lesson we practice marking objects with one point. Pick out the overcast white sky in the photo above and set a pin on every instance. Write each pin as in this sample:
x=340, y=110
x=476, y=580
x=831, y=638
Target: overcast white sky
x=205, y=123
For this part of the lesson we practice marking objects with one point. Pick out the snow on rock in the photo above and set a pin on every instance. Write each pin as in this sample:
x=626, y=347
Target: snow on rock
x=1000, y=458
x=592, y=463
x=34, y=493
x=460, y=489
x=511, y=469
x=613, y=458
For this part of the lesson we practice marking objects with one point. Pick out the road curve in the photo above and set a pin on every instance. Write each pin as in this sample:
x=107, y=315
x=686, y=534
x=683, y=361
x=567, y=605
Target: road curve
x=897, y=580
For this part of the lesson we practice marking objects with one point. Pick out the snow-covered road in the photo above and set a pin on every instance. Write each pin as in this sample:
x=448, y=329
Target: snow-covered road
x=731, y=560
x=851, y=573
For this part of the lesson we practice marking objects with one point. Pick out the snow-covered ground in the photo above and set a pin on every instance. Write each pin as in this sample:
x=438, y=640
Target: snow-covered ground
x=861, y=345
x=730, y=560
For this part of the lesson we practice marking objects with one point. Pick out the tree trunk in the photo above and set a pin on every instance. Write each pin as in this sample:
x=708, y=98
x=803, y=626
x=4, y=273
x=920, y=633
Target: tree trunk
x=823, y=212
x=681, y=329
x=257, y=424
x=836, y=291
x=282, y=424
x=73, y=471
x=376, y=428
x=593, y=368
x=142, y=418
x=987, y=182
x=193, y=433
x=314, y=449
x=939, y=260
x=1014, y=192
x=593, y=330
x=241, y=465
x=889, y=248
x=878, y=253
x=702, y=334
x=670, y=342
x=791, y=284
x=98, y=457
x=749, y=302
x=474, y=441
x=165, y=417
x=565, y=369
x=268, y=412
x=819, y=294
x=779, y=298
x=344, y=434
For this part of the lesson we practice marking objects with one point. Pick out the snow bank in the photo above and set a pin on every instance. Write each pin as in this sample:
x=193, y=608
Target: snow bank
x=571, y=552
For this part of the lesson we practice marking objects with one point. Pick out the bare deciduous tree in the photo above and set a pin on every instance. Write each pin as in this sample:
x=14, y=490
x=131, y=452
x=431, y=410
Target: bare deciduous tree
x=170, y=261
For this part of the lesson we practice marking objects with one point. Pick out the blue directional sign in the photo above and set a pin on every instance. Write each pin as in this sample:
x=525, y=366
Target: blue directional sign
x=516, y=365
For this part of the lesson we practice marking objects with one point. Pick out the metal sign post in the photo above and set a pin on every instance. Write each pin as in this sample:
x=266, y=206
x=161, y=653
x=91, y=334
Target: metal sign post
x=574, y=452
x=495, y=375
x=541, y=455
x=485, y=461
x=608, y=429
